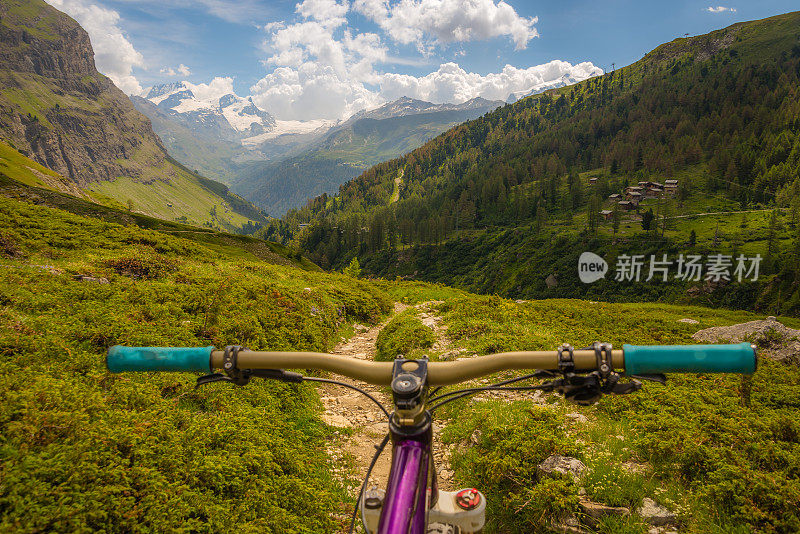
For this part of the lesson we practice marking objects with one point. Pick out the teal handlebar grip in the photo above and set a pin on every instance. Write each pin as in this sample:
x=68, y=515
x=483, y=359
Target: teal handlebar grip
x=187, y=359
x=652, y=359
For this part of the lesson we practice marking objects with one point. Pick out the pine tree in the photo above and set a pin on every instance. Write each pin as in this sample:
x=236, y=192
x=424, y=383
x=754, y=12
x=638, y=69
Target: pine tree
x=647, y=219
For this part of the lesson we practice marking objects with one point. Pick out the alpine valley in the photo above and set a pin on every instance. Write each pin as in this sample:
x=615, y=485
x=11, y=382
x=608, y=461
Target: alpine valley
x=694, y=149
x=445, y=240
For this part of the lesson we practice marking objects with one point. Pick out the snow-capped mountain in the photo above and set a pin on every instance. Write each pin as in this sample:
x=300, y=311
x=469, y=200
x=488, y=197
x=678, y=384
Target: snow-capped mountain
x=409, y=106
x=229, y=116
x=565, y=80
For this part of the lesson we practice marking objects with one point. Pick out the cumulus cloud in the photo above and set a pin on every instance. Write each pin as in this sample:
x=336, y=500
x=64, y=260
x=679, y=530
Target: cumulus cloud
x=322, y=68
x=310, y=92
x=451, y=83
x=212, y=91
x=327, y=12
x=114, y=55
x=720, y=9
x=181, y=70
x=423, y=22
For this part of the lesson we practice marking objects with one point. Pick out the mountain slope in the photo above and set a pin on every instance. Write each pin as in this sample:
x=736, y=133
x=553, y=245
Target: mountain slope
x=217, y=134
x=366, y=138
x=490, y=203
x=209, y=155
x=58, y=110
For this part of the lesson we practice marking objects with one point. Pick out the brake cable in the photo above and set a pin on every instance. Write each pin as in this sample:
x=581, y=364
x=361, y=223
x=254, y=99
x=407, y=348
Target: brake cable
x=356, y=388
x=241, y=377
x=378, y=450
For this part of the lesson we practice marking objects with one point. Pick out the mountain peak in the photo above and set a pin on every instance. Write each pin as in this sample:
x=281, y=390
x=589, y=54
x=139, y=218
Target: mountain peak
x=163, y=89
x=230, y=116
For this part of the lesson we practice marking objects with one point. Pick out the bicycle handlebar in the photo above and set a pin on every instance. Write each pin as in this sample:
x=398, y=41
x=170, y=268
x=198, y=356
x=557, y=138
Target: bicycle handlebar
x=633, y=359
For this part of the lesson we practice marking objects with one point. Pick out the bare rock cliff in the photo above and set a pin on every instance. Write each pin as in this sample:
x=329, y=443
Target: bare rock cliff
x=56, y=108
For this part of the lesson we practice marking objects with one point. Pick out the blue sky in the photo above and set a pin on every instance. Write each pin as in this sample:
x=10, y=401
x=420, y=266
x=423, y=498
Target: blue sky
x=327, y=58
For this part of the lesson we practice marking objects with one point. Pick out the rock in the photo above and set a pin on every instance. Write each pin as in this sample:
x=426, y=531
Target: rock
x=570, y=525
x=596, y=510
x=336, y=420
x=634, y=467
x=774, y=340
x=551, y=281
x=688, y=321
x=520, y=301
x=360, y=328
x=445, y=474
x=655, y=514
x=306, y=290
x=476, y=437
x=562, y=464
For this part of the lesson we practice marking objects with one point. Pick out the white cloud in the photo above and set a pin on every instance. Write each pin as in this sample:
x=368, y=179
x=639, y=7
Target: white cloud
x=211, y=92
x=720, y=9
x=181, y=69
x=423, y=22
x=451, y=83
x=311, y=91
x=114, y=55
x=322, y=69
x=326, y=12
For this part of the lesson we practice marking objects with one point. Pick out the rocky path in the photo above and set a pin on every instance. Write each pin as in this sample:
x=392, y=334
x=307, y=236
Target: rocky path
x=362, y=422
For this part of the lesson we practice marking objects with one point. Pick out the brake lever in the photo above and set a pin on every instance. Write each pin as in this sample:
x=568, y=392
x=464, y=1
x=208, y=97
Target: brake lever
x=242, y=377
x=240, y=380
x=277, y=374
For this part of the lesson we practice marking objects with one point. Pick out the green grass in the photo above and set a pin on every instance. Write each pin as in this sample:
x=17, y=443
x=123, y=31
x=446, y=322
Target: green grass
x=229, y=245
x=18, y=167
x=499, y=446
x=83, y=450
x=404, y=334
x=187, y=197
x=721, y=466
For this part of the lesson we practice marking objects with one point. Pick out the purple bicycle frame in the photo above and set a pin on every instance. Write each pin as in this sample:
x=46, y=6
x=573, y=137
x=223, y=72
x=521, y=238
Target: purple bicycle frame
x=406, y=503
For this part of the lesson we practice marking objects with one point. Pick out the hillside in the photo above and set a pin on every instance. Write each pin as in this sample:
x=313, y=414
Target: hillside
x=56, y=109
x=85, y=450
x=502, y=202
x=363, y=140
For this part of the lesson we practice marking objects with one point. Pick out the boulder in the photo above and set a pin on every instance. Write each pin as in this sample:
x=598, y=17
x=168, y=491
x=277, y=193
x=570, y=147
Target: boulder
x=565, y=465
x=656, y=514
x=773, y=339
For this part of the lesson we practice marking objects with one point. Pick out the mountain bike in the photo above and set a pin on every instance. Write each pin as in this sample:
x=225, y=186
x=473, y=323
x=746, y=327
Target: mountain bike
x=412, y=503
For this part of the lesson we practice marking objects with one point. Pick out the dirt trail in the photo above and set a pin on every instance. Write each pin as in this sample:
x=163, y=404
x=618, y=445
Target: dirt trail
x=348, y=409
x=345, y=408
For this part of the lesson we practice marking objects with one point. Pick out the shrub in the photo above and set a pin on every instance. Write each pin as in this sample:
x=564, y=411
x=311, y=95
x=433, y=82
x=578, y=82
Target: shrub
x=405, y=334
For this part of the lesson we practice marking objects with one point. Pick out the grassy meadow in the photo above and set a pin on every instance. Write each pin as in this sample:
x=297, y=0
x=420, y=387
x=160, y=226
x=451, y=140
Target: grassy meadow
x=83, y=450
